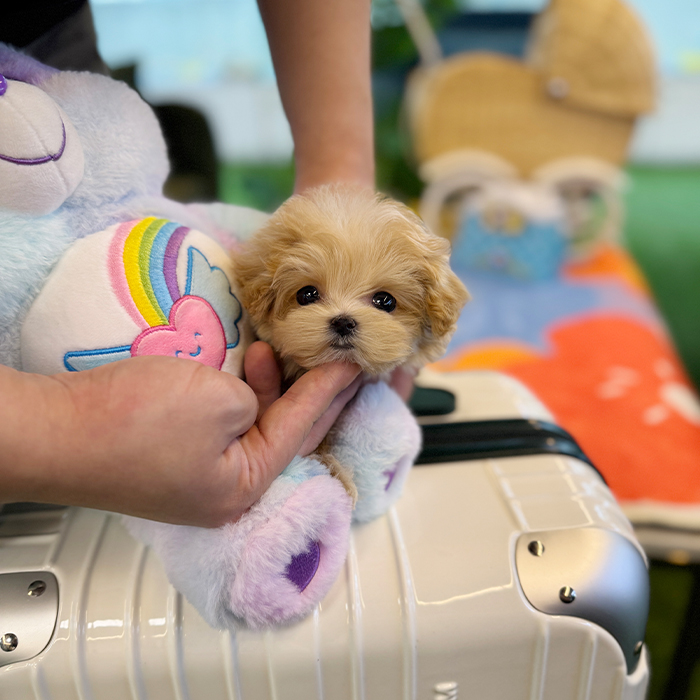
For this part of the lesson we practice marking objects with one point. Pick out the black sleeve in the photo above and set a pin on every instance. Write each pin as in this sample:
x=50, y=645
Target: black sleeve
x=26, y=20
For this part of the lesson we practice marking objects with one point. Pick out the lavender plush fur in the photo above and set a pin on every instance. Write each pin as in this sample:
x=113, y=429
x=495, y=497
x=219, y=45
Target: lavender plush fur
x=379, y=438
x=236, y=574
x=280, y=559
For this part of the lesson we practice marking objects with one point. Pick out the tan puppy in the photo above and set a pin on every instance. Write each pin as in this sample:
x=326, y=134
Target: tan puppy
x=343, y=274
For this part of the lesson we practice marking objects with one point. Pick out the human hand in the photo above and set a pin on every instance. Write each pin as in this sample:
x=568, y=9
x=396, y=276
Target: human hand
x=161, y=438
x=263, y=376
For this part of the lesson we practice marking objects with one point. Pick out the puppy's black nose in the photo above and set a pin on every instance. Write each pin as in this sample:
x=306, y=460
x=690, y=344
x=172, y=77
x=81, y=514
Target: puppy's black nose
x=343, y=325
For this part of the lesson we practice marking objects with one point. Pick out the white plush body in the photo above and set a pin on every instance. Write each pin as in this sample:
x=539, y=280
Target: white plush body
x=97, y=266
x=117, y=286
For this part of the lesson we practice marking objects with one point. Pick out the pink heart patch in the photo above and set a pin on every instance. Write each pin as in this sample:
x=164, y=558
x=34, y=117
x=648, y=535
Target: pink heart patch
x=195, y=333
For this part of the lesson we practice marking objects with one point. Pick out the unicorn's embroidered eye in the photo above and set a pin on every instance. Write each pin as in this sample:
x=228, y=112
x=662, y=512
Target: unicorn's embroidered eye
x=384, y=301
x=307, y=295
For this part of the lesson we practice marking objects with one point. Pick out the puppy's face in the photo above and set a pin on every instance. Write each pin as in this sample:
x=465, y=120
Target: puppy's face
x=339, y=303
x=340, y=274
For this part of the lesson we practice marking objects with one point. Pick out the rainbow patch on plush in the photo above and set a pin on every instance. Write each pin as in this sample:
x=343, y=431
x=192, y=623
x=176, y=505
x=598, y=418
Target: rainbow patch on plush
x=144, y=287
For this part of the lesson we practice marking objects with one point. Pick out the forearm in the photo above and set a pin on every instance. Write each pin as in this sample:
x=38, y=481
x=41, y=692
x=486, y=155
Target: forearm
x=321, y=52
x=160, y=437
x=116, y=437
x=32, y=411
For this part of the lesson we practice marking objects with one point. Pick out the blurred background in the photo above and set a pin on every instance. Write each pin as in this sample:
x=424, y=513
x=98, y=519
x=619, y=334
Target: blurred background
x=205, y=66
x=212, y=56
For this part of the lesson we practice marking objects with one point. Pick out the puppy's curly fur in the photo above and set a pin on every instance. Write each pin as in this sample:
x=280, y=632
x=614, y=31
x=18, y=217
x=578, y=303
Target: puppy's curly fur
x=344, y=274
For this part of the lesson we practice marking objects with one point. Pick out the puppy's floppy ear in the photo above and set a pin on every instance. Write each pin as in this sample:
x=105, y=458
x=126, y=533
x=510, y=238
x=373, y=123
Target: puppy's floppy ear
x=254, y=269
x=256, y=266
x=254, y=283
x=445, y=295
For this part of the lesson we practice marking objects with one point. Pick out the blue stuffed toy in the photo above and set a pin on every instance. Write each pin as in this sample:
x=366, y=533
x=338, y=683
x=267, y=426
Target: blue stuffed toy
x=513, y=228
x=96, y=266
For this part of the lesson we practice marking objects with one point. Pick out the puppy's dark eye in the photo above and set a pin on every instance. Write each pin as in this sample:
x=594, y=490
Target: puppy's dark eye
x=384, y=301
x=307, y=295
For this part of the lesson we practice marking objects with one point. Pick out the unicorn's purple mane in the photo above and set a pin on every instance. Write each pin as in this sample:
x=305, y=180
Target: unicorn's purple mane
x=19, y=66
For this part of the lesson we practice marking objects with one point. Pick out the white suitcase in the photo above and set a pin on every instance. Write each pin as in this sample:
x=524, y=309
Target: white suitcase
x=509, y=574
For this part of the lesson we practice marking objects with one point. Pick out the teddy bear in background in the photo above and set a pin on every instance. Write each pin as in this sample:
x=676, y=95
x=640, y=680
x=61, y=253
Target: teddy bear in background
x=97, y=266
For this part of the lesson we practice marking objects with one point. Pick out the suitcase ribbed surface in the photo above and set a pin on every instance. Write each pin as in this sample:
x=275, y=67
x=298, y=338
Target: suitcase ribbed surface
x=429, y=606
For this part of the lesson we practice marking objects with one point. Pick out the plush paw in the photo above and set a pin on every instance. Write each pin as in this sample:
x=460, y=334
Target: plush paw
x=288, y=564
x=274, y=564
x=378, y=438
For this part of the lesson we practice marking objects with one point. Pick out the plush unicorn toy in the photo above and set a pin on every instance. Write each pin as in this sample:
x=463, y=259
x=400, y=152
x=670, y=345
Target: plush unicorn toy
x=96, y=266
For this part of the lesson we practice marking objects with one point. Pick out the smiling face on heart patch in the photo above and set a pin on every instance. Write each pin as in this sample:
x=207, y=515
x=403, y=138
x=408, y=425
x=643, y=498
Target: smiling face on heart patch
x=195, y=333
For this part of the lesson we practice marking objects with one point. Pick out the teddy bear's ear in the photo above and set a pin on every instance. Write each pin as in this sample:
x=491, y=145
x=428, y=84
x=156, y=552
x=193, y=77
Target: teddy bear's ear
x=41, y=156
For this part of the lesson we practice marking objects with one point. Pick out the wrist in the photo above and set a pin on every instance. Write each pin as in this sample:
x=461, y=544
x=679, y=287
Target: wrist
x=34, y=420
x=331, y=165
x=313, y=177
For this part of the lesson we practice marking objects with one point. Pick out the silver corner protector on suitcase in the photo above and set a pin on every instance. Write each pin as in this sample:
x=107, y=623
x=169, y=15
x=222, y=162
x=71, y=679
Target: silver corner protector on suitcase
x=505, y=578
